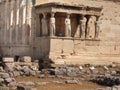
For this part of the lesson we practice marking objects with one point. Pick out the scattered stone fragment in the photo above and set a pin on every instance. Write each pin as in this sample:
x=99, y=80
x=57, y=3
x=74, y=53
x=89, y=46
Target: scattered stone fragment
x=113, y=65
x=45, y=71
x=100, y=89
x=13, y=84
x=9, y=69
x=23, y=87
x=116, y=88
x=34, y=68
x=8, y=59
x=32, y=73
x=113, y=72
x=51, y=76
x=8, y=80
x=42, y=83
x=92, y=68
x=1, y=69
x=60, y=76
x=60, y=71
x=108, y=88
x=16, y=73
x=20, y=87
x=106, y=68
x=41, y=76
x=4, y=75
x=21, y=73
x=1, y=80
x=29, y=83
x=4, y=88
x=18, y=67
x=33, y=89
x=81, y=68
x=118, y=72
x=26, y=70
x=72, y=82
x=72, y=71
x=57, y=82
x=106, y=81
x=26, y=59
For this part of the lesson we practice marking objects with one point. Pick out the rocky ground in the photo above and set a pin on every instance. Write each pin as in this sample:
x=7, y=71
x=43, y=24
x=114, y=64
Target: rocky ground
x=25, y=75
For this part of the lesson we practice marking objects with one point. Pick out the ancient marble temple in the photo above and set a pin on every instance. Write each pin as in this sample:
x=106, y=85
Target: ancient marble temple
x=72, y=32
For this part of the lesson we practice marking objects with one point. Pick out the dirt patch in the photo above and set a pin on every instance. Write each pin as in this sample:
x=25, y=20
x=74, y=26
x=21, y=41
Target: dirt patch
x=52, y=86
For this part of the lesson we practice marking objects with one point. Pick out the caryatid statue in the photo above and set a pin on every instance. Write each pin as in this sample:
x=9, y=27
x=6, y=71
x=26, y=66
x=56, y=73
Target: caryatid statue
x=52, y=25
x=68, y=26
x=82, y=27
x=97, y=27
x=88, y=28
x=44, y=26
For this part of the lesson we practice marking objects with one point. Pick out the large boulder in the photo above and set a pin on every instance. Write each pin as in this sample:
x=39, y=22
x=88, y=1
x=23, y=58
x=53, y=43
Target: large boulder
x=4, y=75
x=71, y=71
x=26, y=70
x=42, y=83
x=26, y=59
x=16, y=73
x=8, y=80
x=8, y=59
x=72, y=81
x=23, y=87
x=4, y=88
x=116, y=87
x=1, y=80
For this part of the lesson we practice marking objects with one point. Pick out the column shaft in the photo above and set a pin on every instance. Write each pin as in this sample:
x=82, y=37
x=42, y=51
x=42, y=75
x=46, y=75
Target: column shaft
x=11, y=21
x=24, y=25
x=17, y=20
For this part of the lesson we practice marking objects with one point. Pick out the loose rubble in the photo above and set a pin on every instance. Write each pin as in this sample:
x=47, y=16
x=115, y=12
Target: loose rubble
x=67, y=75
x=107, y=80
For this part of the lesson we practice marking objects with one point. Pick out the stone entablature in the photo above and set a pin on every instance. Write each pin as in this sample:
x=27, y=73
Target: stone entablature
x=66, y=8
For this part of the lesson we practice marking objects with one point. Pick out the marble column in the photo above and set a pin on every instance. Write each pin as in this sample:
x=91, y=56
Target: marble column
x=11, y=21
x=52, y=25
x=8, y=22
x=17, y=20
x=97, y=28
x=24, y=25
x=82, y=27
x=6, y=18
x=20, y=22
x=2, y=24
x=44, y=25
x=30, y=23
x=68, y=26
x=14, y=21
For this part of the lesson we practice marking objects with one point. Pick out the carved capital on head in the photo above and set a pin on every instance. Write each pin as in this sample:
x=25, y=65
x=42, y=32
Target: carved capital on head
x=97, y=18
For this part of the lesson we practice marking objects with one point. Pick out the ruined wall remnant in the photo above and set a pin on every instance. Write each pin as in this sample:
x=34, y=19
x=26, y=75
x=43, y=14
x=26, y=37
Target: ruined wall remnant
x=16, y=29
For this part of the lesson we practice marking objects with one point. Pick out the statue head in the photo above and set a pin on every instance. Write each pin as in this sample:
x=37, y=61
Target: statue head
x=52, y=14
x=68, y=15
x=44, y=16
